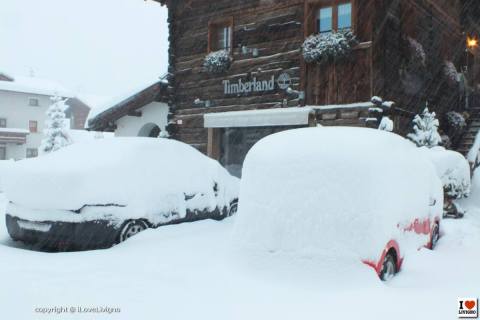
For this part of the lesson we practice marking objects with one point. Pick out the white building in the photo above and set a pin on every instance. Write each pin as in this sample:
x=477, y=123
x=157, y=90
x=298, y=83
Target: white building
x=23, y=104
x=141, y=113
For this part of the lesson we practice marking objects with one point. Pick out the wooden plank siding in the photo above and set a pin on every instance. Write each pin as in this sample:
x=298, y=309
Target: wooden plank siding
x=277, y=29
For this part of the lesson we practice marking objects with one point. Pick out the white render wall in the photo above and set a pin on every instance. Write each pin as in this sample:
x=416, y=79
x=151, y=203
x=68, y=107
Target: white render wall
x=155, y=112
x=14, y=107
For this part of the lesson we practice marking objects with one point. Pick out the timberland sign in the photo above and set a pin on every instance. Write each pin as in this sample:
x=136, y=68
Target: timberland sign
x=255, y=85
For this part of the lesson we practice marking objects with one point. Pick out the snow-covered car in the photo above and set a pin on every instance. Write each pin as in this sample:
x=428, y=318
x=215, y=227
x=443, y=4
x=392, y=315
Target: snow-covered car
x=339, y=192
x=454, y=172
x=93, y=195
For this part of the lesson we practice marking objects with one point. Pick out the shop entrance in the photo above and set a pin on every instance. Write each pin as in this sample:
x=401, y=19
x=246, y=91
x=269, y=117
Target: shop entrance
x=236, y=142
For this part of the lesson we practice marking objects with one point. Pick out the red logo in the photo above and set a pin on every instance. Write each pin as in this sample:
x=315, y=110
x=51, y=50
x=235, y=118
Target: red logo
x=470, y=304
x=467, y=308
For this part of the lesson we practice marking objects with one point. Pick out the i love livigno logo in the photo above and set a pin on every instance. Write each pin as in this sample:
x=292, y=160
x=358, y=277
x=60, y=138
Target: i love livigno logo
x=468, y=308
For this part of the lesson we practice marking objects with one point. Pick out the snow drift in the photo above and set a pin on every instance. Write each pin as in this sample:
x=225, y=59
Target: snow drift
x=143, y=176
x=334, y=191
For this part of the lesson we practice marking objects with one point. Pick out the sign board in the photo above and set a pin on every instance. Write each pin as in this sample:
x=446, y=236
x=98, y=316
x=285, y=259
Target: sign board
x=283, y=82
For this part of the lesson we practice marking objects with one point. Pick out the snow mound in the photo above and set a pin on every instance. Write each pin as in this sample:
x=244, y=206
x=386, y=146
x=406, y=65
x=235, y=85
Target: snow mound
x=334, y=191
x=453, y=169
x=148, y=176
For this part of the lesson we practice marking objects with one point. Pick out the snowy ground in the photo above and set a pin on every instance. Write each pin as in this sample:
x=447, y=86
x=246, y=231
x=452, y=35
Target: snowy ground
x=190, y=271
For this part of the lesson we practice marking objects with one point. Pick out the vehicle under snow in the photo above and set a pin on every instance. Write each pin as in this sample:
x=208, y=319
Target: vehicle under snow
x=93, y=195
x=357, y=192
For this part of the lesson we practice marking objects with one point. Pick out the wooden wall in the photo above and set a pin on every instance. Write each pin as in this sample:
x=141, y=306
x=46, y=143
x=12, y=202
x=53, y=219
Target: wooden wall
x=273, y=27
x=436, y=26
x=277, y=29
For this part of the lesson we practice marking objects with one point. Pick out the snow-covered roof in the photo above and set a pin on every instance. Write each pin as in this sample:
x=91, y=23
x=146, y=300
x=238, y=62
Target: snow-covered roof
x=344, y=106
x=258, y=118
x=14, y=130
x=119, y=106
x=35, y=85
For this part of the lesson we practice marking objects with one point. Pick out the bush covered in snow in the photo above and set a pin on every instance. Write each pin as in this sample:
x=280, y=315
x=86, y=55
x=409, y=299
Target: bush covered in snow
x=453, y=169
x=327, y=47
x=418, y=57
x=217, y=61
x=56, y=132
x=345, y=197
x=451, y=72
x=455, y=120
x=425, y=130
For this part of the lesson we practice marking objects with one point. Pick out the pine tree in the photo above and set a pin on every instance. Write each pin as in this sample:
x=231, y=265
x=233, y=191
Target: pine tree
x=425, y=130
x=55, y=133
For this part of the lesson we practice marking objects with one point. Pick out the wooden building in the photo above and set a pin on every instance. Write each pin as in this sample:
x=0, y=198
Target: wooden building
x=407, y=51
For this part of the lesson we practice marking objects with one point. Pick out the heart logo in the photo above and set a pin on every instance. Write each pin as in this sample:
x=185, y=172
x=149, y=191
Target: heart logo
x=470, y=304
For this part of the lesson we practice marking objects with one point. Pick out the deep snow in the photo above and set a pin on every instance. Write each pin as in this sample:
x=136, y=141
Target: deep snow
x=138, y=175
x=189, y=271
x=332, y=191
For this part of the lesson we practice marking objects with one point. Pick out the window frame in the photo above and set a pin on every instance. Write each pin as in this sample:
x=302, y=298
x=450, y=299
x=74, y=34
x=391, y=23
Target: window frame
x=30, y=122
x=213, y=26
x=30, y=99
x=313, y=6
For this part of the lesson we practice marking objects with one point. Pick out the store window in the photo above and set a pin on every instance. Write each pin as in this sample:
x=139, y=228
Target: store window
x=220, y=35
x=236, y=142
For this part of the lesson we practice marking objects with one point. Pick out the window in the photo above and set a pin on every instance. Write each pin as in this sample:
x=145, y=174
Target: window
x=325, y=19
x=3, y=153
x=220, y=35
x=33, y=126
x=334, y=17
x=345, y=16
x=223, y=35
x=33, y=102
x=3, y=123
x=32, y=153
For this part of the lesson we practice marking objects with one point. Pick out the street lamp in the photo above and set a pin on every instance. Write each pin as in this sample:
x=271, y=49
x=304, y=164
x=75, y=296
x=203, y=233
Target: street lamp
x=472, y=43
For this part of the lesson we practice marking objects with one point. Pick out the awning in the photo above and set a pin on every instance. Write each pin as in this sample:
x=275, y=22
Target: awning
x=259, y=118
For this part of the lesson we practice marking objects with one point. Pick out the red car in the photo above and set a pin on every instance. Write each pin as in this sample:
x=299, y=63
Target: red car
x=357, y=192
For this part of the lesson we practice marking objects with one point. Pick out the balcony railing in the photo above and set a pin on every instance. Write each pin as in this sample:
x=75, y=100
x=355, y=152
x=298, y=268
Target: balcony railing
x=13, y=135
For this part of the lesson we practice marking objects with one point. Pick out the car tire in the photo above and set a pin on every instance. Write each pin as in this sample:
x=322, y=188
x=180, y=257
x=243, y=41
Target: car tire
x=131, y=228
x=389, y=267
x=233, y=208
x=435, y=236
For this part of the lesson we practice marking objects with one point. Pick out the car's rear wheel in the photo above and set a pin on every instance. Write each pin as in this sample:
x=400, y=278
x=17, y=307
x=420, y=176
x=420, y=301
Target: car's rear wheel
x=233, y=208
x=435, y=236
x=131, y=228
x=389, y=267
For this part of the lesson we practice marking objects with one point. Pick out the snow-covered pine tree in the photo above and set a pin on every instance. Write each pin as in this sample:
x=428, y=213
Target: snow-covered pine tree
x=425, y=130
x=55, y=133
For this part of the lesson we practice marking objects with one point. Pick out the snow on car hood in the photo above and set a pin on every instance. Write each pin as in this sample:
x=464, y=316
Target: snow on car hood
x=141, y=173
x=330, y=190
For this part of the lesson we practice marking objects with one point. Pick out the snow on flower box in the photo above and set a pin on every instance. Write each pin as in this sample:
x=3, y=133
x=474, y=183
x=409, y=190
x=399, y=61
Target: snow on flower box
x=328, y=47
